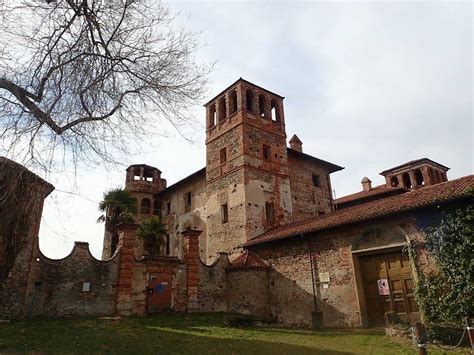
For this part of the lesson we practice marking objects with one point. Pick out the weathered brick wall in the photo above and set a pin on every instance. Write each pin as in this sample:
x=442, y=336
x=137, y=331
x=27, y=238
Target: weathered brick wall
x=291, y=286
x=178, y=219
x=213, y=285
x=248, y=292
x=308, y=200
x=55, y=287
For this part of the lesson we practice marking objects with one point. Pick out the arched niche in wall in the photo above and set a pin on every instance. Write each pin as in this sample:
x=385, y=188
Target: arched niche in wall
x=379, y=238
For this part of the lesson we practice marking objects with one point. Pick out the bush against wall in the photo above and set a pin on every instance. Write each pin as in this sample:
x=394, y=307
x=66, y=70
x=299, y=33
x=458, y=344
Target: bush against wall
x=447, y=294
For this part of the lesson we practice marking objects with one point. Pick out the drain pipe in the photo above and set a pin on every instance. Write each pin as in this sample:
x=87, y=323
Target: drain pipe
x=311, y=261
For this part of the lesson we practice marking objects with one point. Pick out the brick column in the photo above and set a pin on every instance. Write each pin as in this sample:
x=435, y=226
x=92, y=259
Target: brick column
x=127, y=235
x=191, y=257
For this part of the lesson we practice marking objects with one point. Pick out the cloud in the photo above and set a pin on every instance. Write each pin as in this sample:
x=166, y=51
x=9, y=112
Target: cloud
x=368, y=86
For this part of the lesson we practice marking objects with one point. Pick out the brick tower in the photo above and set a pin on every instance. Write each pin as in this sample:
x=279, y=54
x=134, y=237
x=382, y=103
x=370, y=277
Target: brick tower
x=247, y=165
x=143, y=182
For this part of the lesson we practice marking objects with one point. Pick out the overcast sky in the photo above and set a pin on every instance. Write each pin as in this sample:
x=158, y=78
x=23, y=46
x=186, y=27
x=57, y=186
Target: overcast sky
x=367, y=86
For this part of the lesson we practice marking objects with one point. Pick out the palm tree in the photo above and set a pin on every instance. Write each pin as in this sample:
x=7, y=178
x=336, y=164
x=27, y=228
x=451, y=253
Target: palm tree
x=152, y=231
x=118, y=206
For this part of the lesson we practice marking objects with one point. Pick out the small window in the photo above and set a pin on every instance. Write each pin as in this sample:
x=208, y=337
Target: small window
x=223, y=155
x=419, y=178
x=222, y=114
x=275, y=111
x=269, y=212
x=212, y=116
x=266, y=152
x=394, y=181
x=168, y=207
x=156, y=207
x=146, y=206
x=233, y=102
x=187, y=202
x=249, y=99
x=316, y=180
x=406, y=181
x=261, y=105
x=224, y=213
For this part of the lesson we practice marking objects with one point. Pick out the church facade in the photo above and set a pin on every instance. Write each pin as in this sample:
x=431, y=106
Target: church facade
x=256, y=231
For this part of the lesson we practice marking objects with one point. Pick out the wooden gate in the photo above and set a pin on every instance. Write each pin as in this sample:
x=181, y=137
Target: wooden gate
x=159, y=292
x=388, y=287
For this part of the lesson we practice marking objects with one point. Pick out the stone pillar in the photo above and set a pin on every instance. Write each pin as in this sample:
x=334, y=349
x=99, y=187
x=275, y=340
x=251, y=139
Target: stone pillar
x=191, y=257
x=127, y=235
x=412, y=179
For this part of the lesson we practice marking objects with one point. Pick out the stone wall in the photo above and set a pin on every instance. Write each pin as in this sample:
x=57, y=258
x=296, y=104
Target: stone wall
x=307, y=199
x=290, y=277
x=247, y=292
x=78, y=284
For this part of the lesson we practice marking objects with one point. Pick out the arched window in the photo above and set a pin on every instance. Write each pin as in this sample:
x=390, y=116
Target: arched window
x=249, y=100
x=212, y=115
x=261, y=105
x=419, y=178
x=394, y=181
x=233, y=102
x=406, y=181
x=275, y=111
x=146, y=206
x=222, y=109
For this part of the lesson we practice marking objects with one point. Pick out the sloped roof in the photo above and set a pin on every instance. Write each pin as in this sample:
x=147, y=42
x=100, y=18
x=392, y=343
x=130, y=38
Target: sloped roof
x=332, y=167
x=411, y=200
x=414, y=162
x=375, y=191
x=247, y=260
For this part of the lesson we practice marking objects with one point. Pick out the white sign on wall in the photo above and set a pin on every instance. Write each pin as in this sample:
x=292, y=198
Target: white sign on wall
x=383, y=287
x=86, y=287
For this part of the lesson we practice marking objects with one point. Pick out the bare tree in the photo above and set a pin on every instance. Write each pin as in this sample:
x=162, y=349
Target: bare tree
x=81, y=78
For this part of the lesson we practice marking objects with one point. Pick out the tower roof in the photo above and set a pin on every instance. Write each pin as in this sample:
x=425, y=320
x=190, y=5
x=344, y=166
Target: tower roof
x=414, y=163
x=295, y=139
x=244, y=81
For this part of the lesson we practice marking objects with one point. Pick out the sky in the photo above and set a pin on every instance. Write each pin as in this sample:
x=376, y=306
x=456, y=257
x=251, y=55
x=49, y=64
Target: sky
x=367, y=85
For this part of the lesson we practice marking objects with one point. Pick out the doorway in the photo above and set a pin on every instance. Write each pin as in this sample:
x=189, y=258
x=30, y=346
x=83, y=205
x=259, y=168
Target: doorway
x=159, y=292
x=388, y=287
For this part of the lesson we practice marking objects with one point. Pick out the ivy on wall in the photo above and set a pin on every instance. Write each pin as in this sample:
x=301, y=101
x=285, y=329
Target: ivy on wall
x=447, y=295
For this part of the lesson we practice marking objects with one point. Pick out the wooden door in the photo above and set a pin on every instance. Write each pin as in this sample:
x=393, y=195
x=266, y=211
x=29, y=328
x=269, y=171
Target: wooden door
x=159, y=292
x=394, y=267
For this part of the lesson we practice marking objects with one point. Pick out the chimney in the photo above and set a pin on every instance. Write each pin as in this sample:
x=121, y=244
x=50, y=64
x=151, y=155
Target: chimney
x=296, y=143
x=366, y=184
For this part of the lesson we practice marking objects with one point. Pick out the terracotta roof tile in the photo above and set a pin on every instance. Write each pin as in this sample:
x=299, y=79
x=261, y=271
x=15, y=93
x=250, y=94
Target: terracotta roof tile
x=415, y=199
x=377, y=190
x=247, y=260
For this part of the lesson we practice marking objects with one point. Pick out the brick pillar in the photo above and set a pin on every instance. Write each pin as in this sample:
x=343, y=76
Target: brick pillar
x=191, y=257
x=127, y=235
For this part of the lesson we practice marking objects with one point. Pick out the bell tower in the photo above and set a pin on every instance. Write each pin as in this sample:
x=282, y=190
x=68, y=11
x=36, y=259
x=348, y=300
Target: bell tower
x=247, y=165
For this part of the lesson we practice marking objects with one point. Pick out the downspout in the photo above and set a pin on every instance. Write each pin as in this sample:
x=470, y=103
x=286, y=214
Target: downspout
x=311, y=261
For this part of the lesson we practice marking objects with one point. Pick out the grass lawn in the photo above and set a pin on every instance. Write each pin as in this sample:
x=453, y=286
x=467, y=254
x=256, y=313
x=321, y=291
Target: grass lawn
x=169, y=333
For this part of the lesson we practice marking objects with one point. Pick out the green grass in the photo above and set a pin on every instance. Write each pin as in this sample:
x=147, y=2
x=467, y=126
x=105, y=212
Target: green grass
x=171, y=333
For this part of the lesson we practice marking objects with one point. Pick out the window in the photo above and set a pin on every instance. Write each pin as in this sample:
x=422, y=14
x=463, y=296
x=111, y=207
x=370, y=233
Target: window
x=223, y=155
x=269, y=212
x=212, y=116
x=261, y=105
x=156, y=207
x=146, y=206
x=275, y=111
x=316, y=180
x=168, y=207
x=266, y=152
x=406, y=181
x=187, y=202
x=224, y=213
x=222, y=110
x=419, y=178
x=394, y=181
x=233, y=102
x=249, y=99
